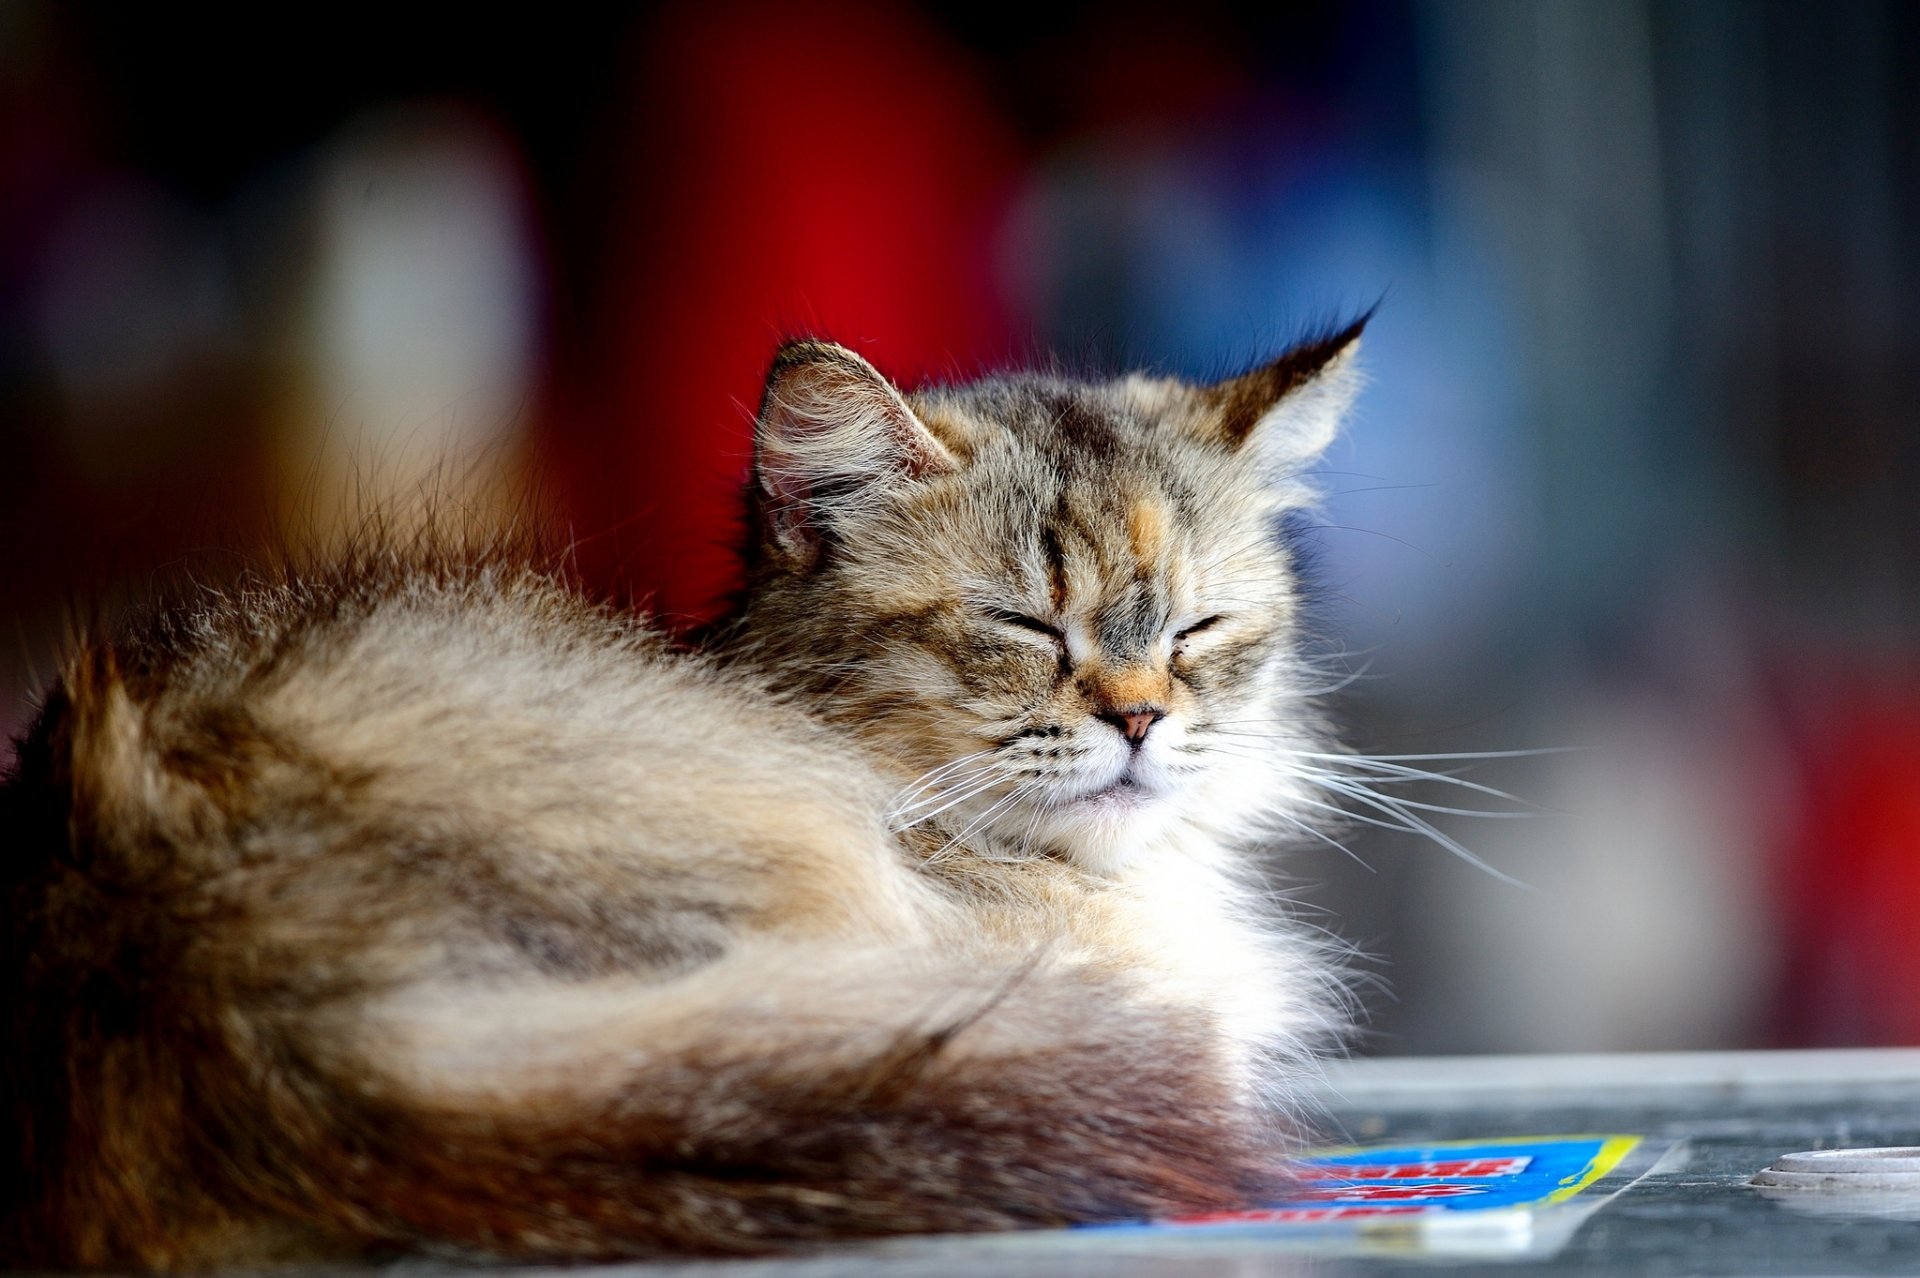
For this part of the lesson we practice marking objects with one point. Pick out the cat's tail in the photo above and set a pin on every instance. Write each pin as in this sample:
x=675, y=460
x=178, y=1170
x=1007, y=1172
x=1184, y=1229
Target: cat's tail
x=780, y=1095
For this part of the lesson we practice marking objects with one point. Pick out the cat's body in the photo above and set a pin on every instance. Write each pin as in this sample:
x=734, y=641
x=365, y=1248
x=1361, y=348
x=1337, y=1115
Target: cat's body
x=414, y=901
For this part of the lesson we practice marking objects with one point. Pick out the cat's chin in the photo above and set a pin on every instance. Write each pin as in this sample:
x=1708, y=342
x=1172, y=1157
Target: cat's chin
x=1107, y=829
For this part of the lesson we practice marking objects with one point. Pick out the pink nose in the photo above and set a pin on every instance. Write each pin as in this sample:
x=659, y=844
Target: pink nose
x=1134, y=725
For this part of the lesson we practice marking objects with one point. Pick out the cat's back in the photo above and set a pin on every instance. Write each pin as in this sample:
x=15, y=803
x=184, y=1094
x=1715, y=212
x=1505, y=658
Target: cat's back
x=447, y=767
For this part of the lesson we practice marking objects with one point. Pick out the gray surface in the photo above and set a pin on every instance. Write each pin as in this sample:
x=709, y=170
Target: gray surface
x=1695, y=1213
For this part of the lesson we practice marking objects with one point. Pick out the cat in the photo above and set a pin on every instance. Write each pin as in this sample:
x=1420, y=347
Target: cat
x=412, y=901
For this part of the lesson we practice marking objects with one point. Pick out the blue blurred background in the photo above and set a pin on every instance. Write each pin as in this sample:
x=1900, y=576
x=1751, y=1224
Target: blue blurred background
x=1635, y=475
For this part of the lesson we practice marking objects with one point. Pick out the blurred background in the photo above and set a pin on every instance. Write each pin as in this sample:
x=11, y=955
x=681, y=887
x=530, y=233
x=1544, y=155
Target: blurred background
x=1636, y=475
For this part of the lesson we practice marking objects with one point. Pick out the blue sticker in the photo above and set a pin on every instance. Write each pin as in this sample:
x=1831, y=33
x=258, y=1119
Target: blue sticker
x=1385, y=1182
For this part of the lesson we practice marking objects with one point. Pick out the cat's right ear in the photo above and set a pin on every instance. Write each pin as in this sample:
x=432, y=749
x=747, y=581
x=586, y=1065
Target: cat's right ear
x=1284, y=413
x=830, y=429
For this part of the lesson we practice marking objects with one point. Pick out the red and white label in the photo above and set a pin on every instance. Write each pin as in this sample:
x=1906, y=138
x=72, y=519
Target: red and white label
x=1451, y=1168
x=1296, y=1215
x=1385, y=1193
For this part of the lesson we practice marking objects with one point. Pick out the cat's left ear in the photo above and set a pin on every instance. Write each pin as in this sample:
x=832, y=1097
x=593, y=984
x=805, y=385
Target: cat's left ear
x=830, y=429
x=1283, y=414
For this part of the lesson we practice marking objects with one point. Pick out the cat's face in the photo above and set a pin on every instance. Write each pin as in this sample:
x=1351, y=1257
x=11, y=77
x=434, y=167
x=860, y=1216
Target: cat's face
x=1066, y=611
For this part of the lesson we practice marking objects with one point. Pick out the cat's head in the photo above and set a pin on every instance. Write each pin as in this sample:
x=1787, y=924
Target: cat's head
x=1066, y=610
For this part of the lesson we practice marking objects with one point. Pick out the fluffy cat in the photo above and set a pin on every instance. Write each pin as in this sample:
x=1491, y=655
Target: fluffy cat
x=412, y=901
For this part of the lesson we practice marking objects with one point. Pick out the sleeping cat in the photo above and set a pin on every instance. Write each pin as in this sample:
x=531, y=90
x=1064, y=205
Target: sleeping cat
x=412, y=901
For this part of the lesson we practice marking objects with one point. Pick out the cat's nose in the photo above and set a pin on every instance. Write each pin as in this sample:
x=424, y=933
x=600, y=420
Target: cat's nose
x=1134, y=724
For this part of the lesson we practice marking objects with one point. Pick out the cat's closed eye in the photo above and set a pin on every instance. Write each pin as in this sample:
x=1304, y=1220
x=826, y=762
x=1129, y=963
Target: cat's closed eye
x=1181, y=637
x=1032, y=625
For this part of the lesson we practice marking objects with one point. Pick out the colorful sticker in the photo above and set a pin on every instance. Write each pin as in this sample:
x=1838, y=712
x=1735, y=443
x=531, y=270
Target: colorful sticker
x=1398, y=1181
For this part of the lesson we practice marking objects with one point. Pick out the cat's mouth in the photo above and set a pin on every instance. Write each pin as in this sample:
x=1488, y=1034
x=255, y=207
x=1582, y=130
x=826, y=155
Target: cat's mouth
x=1124, y=791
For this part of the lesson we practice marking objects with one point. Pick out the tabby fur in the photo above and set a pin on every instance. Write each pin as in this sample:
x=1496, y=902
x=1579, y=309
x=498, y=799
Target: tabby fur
x=412, y=901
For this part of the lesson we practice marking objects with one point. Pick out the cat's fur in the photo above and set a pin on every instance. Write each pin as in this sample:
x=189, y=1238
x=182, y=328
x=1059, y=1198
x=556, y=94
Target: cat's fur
x=415, y=901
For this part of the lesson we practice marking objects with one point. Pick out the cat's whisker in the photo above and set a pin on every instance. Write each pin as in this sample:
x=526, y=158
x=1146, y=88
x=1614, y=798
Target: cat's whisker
x=1032, y=831
x=1310, y=829
x=1309, y=659
x=1394, y=812
x=1348, y=784
x=1269, y=738
x=1462, y=754
x=1340, y=684
x=1397, y=774
x=1402, y=772
x=931, y=779
x=1377, y=780
x=1417, y=776
x=1348, y=814
x=967, y=791
x=958, y=839
x=1412, y=823
x=947, y=787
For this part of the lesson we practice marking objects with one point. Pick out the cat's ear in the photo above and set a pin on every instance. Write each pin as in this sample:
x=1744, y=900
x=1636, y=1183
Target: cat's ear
x=831, y=427
x=1284, y=413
